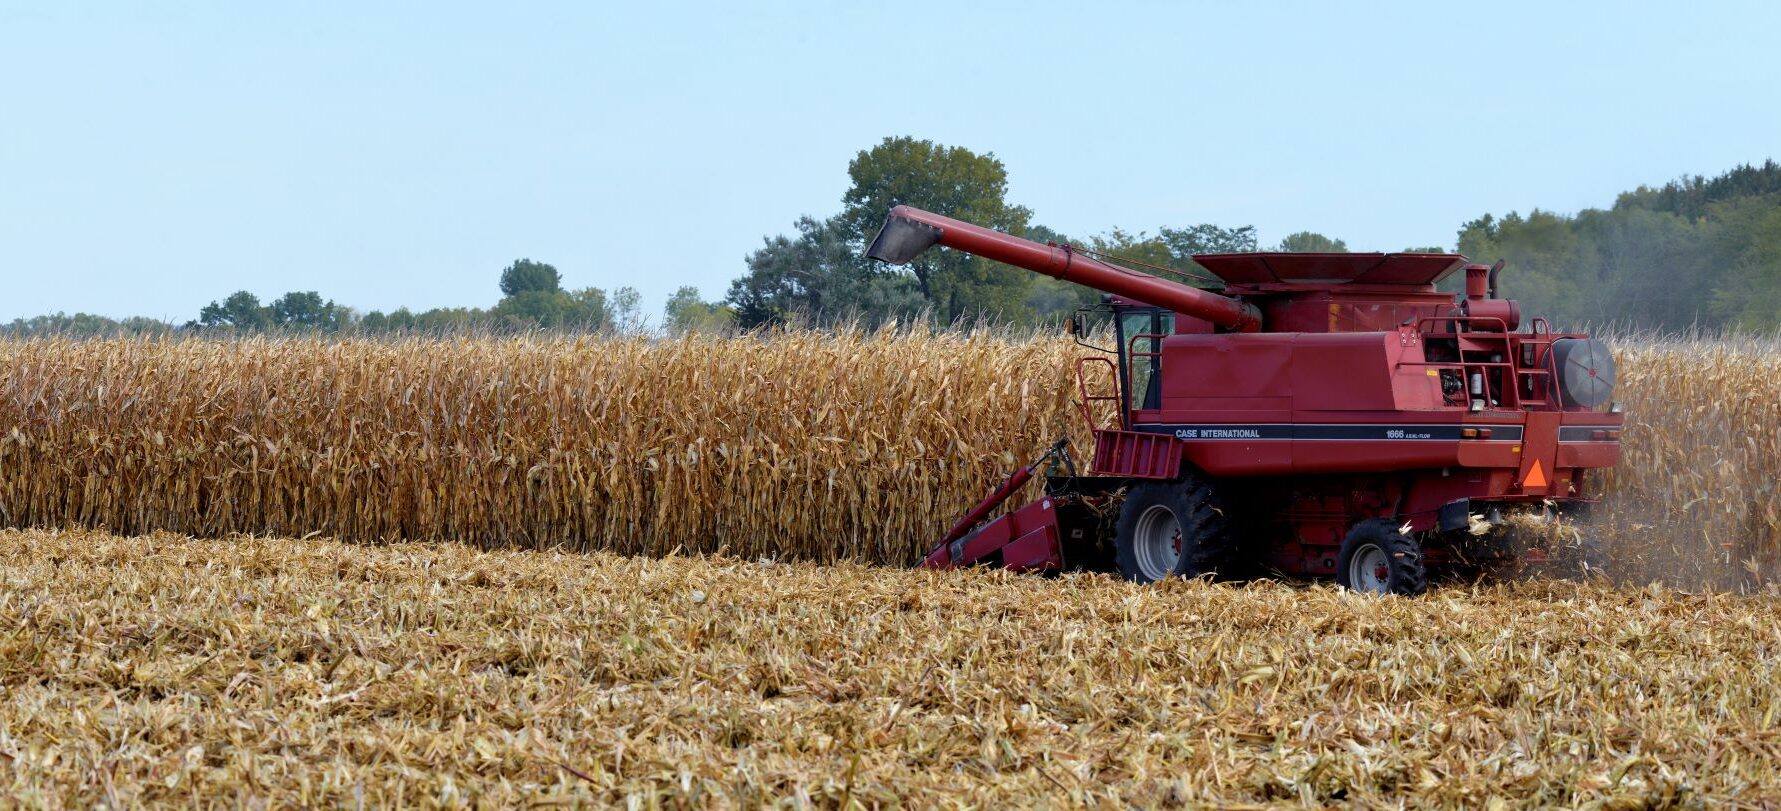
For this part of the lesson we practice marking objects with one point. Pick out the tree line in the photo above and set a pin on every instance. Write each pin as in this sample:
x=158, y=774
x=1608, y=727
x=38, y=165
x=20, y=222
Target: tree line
x=1694, y=253
x=819, y=274
x=533, y=298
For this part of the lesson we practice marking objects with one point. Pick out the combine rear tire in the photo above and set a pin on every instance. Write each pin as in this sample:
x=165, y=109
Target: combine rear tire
x=1378, y=559
x=1173, y=529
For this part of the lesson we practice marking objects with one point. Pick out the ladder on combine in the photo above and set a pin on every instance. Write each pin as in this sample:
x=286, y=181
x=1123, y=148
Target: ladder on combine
x=1120, y=451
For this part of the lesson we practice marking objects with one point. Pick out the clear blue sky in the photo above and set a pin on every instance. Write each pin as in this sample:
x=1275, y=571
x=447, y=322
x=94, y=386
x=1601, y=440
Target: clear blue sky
x=156, y=156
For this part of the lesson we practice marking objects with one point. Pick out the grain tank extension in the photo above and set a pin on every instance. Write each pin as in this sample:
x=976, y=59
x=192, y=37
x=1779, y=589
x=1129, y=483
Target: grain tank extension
x=1320, y=414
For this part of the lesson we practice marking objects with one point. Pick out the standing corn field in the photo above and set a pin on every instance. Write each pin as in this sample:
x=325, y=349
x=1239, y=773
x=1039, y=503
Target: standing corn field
x=859, y=446
x=1695, y=496
x=815, y=446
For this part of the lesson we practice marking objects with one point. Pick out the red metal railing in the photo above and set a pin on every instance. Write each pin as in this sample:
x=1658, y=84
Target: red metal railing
x=1515, y=385
x=1088, y=400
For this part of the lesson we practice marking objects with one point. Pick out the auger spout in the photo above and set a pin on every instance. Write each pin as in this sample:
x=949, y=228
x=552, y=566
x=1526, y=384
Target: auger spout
x=909, y=231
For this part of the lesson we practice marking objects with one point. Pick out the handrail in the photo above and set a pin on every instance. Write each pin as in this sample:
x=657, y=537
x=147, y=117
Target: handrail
x=1503, y=327
x=1508, y=390
x=1132, y=354
x=1082, y=389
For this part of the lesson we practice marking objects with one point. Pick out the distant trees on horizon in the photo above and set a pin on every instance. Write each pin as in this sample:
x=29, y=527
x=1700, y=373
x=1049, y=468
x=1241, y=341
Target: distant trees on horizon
x=1693, y=253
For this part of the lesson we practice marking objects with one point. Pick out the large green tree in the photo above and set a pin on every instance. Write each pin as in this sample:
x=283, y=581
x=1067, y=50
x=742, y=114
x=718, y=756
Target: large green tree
x=307, y=310
x=818, y=277
x=1312, y=242
x=527, y=276
x=952, y=181
x=240, y=311
x=534, y=298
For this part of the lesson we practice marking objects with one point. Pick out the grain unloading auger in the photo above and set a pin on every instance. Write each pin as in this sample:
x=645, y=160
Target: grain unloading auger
x=1322, y=414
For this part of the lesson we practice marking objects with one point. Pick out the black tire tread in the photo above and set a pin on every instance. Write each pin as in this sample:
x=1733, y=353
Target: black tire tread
x=1198, y=512
x=1409, y=573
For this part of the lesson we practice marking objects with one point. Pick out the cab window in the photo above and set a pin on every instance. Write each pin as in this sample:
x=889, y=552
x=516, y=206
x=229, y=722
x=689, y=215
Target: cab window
x=1140, y=339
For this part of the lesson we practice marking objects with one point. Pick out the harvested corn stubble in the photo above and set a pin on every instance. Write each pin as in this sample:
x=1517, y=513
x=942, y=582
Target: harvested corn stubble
x=161, y=671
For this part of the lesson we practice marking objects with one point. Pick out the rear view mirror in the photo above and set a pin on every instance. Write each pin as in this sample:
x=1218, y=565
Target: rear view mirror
x=1080, y=327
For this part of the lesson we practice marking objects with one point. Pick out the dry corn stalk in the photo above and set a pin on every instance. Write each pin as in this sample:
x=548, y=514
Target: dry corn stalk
x=1695, y=497
x=859, y=446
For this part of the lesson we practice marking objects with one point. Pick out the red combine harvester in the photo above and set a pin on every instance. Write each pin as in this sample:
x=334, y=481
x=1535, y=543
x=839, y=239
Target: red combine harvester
x=1324, y=414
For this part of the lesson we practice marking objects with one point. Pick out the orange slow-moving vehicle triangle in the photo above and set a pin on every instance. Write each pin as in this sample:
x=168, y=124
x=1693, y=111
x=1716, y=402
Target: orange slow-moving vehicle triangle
x=1535, y=476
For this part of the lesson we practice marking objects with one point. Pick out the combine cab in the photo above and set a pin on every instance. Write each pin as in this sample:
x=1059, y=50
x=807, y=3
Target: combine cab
x=1320, y=415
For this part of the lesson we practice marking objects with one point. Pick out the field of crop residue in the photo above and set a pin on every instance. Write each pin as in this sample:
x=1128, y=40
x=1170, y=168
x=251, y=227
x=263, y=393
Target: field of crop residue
x=166, y=671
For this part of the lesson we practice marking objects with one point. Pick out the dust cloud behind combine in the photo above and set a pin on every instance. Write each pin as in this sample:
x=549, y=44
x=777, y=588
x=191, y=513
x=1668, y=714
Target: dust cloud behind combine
x=1695, y=501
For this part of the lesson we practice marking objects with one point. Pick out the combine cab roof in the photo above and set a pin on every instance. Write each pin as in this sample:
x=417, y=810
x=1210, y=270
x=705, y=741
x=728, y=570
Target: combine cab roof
x=1331, y=268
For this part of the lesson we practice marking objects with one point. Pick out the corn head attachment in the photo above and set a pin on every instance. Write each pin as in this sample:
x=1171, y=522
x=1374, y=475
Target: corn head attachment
x=1026, y=539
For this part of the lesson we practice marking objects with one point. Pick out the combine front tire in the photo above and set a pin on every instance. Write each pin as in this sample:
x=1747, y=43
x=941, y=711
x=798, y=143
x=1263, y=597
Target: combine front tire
x=1379, y=559
x=1173, y=529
